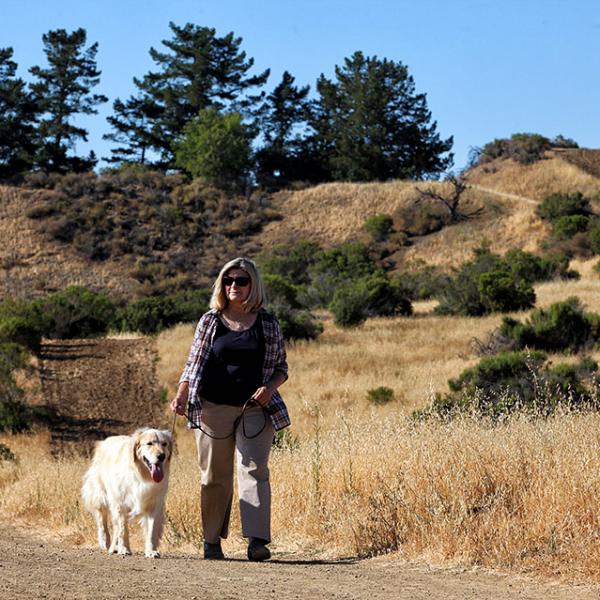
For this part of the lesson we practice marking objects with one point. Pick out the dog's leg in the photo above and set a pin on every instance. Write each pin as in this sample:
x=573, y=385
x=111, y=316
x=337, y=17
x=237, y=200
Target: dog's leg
x=154, y=527
x=120, y=542
x=101, y=516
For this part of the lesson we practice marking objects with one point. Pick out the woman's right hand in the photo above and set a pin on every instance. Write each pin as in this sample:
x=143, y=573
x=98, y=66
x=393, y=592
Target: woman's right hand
x=178, y=404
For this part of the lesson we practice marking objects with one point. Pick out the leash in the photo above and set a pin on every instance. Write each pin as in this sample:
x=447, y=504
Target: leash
x=240, y=419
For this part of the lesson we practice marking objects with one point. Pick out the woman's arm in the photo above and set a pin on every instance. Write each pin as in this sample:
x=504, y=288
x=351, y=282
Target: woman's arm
x=179, y=403
x=264, y=393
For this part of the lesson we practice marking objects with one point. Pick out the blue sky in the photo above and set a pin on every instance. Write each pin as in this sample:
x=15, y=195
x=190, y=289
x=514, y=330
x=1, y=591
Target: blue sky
x=489, y=68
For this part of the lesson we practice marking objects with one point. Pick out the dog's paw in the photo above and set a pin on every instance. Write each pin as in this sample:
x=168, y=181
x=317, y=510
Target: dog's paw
x=152, y=554
x=123, y=551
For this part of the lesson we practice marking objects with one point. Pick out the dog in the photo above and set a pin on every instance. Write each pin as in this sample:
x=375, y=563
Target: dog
x=128, y=479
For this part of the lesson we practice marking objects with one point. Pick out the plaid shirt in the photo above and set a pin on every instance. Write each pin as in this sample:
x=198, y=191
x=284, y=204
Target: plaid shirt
x=275, y=360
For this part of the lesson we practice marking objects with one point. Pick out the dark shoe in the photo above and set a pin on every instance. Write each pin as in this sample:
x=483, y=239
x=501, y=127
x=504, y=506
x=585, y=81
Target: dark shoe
x=257, y=550
x=213, y=551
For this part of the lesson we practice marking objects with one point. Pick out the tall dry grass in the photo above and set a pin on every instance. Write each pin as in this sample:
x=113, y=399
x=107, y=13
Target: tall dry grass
x=351, y=478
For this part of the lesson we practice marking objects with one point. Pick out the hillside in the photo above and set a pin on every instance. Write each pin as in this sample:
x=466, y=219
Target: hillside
x=32, y=263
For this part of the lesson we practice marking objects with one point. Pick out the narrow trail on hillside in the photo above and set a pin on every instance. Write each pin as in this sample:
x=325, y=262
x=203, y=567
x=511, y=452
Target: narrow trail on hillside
x=36, y=567
x=93, y=388
x=482, y=188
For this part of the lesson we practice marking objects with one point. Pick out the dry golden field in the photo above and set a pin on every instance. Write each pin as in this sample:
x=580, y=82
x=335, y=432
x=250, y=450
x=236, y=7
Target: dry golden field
x=356, y=479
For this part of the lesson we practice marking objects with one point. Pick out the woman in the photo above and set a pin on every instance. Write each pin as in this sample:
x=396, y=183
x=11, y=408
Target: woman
x=229, y=384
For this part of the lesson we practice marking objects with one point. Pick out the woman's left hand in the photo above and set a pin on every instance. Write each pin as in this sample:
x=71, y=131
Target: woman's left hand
x=262, y=396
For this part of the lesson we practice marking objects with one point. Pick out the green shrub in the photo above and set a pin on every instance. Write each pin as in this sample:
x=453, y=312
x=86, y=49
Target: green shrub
x=74, y=312
x=290, y=262
x=280, y=290
x=15, y=417
x=379, y=227
x=514, y=381
x=297, y=324
x=532, y=268
x=595, y=239
x=21, y=330
x=369, y=296
x=153, y=314
x=566, y=227
x=524, y=148
x=485, y=284
x=564, y=326
x=500, y=291
x=559, y=205
x=380, y=395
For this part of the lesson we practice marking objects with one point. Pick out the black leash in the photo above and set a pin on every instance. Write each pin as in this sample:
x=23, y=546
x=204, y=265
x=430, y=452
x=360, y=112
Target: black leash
x=236, y=424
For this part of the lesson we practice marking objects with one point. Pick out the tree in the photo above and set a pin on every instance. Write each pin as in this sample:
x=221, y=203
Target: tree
x=217, y=147
x=451, y=199
x=133, y=124
x=63, y=90
x=17, y=119
x=282, y=115
x=370, y=124
x=199, y=70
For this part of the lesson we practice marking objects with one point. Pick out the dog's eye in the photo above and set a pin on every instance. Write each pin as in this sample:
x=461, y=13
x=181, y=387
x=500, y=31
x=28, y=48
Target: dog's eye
x=149, y=443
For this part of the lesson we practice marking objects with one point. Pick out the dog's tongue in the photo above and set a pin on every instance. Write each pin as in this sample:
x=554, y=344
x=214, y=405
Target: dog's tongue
x=157, y=473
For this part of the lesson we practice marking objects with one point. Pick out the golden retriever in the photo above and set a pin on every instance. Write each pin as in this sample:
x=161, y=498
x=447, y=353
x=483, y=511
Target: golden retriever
x=128, y=479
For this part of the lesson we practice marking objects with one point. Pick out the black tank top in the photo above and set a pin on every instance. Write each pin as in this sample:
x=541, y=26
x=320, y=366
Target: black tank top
x=233, y=371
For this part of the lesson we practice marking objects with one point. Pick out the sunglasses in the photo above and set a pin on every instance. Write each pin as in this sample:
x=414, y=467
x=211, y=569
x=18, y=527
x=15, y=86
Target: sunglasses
x=239, y=281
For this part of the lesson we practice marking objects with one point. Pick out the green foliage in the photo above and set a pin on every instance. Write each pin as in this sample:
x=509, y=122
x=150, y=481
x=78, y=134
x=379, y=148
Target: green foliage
x=380, y=395
x=568, y=226
x=484, y=285
x=152, y=315
x=290, y=262
x=379, y=227
x=559, y=205
x=524, y=148
x=595, y=239
x=373, y=295
x=215, y=147
x=74, y=312
x=513, y=381
x=563, y=327
x=370, y=124
x=283, y=114
x=63, y=90
x=196, y=70
x=532, y=268
x=14, y=414
x=421, y=284
x=17, y=125
x=296, y=324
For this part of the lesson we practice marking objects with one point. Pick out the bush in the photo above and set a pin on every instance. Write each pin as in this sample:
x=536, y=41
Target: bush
x=297, y=324
x=380, y=395
x=562, y=327
x=532, y=268
x=559, y=205
x=566, y=227
x=595, y=239
x=6, y=454
x=422, y=284
x=15, y=417
x=524, y=148
x=513, y=381
x=152, y=315
x=379, y=227
x=370, y=296
x=485, y=284
x=21, y=330
x=74, y=312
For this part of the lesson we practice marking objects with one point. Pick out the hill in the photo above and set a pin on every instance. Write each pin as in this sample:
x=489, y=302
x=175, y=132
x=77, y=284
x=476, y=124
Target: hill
x=129, y=242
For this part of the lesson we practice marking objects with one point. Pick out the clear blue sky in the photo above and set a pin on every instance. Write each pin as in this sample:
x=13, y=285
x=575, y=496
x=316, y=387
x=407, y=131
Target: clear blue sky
x=489, y=68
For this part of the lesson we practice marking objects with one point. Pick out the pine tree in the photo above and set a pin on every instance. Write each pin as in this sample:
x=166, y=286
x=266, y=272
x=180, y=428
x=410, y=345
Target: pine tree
x=198, y=70
x=370, y=124
x=17, y=119
x=283, y=117
x=63, y=90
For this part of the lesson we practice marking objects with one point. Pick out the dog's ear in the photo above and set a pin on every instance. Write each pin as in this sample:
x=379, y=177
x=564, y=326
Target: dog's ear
x=169, y=436
x=135, y=442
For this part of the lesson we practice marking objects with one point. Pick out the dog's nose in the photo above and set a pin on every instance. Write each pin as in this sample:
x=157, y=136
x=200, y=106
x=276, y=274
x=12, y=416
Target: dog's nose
x=161, y=457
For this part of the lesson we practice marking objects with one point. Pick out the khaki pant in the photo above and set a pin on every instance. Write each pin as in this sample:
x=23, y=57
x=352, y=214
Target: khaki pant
x=216, y=470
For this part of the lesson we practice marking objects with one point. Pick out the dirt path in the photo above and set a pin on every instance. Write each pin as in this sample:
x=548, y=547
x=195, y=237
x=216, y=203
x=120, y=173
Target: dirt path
x=98, y=387
x=48, y=569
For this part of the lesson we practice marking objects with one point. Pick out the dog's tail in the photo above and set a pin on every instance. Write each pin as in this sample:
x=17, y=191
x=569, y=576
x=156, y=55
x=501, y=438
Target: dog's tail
x=93, y=493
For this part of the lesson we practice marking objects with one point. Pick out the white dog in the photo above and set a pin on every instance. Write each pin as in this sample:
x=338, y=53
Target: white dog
x=128, y=479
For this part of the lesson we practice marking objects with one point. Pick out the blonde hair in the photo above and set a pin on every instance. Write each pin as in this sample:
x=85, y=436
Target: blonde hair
x=256, y=297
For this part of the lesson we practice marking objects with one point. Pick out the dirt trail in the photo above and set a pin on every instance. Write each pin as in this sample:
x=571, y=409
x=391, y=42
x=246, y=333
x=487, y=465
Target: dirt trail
x=98, y=387
x=40, y=568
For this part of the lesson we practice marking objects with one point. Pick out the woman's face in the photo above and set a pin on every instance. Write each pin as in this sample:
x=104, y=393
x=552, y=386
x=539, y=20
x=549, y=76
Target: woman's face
x=233, y=283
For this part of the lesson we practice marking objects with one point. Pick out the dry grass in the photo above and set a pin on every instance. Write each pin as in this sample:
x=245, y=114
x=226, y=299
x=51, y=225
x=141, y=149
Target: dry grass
x=537, y=180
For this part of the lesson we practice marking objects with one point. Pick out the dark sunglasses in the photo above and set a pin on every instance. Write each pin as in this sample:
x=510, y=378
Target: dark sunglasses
x=239, y=281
